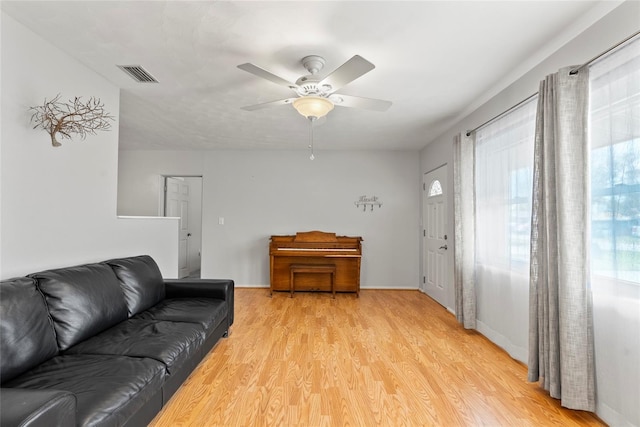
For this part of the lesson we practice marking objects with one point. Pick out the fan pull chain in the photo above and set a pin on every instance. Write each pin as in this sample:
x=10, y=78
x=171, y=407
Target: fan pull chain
x=311, y=157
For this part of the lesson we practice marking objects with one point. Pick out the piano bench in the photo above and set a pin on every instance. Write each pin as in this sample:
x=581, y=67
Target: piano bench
x=312, y=268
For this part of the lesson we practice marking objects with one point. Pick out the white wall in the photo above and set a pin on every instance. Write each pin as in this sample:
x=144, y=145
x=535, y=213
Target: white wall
x=140, y=189
x=139, y=177
x=618, y=376
x=58, y=205
x=262, y=193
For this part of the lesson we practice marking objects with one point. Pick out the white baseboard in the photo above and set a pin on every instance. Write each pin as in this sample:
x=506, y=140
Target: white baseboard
x=362, y=288
x=612, y=417
x=518, y=353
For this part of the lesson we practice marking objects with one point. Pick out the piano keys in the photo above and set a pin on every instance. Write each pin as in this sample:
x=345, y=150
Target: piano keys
x=292, y=259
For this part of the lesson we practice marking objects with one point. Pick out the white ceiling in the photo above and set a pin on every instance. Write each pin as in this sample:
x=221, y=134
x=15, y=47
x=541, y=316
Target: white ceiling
x=435, y=60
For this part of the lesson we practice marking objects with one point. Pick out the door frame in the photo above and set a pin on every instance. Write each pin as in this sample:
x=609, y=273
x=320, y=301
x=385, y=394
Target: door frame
x=162, y=182
x=448, y=273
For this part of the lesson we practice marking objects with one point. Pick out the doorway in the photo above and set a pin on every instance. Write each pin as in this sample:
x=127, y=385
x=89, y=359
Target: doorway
x=182, y=198
x=436, y=244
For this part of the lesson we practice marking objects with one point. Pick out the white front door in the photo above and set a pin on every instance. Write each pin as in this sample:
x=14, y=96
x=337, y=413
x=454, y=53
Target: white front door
x=177, y=205
x=436, y=242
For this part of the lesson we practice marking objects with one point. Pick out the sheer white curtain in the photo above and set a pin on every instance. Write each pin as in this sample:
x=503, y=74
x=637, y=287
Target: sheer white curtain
x=503, y=182
x=615, y=231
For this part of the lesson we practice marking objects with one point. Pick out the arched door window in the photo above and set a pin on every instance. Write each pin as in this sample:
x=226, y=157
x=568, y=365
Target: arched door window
x=435, y=189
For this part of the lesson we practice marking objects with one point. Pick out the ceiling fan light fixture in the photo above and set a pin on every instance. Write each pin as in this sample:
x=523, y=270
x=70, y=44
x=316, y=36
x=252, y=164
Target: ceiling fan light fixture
x=313, y=106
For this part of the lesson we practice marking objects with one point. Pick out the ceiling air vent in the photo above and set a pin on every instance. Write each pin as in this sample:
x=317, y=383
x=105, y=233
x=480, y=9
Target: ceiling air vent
x=138, y=73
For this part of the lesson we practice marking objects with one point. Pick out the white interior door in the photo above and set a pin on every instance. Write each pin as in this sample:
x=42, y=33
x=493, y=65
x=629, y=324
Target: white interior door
x=436, y=242
x=177, y=205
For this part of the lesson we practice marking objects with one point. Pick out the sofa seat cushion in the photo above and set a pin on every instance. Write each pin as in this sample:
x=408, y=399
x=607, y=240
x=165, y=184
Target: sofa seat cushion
x=207, y=312
x=108, y=389
x=37, y=408
x=172, y=343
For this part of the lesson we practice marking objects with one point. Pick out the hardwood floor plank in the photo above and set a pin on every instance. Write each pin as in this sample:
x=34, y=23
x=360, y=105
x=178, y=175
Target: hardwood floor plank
x=388, y=358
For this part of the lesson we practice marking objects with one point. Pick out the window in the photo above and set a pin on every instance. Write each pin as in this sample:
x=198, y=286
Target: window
x=520, y=191
x=504, y=174
x=615, y=165
x=435, y=189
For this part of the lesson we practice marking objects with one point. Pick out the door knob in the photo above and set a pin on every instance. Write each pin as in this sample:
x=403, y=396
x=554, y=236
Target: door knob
x=443, y=247
x=189, y=235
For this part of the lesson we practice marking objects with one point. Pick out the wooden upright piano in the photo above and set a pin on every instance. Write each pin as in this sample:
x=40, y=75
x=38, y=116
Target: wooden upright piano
x=315, y=261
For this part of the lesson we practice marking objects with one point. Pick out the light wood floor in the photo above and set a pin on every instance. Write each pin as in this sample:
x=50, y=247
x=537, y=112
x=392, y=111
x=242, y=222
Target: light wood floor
x=388, y=358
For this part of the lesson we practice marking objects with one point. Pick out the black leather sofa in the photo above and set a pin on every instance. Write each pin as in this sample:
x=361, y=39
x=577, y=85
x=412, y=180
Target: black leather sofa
x=104, y=344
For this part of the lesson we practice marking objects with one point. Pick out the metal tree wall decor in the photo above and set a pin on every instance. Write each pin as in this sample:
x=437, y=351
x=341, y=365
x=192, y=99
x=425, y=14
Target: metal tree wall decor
x=75, y=116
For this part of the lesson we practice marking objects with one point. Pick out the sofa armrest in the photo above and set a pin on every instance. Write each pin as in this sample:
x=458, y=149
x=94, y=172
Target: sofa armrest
x=37, y=408
x=204, y=288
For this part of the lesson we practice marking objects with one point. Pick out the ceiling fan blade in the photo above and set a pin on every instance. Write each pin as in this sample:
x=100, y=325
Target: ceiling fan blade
x=358, y=102
x=347, y=72
x=261, y=72
x=268, y=104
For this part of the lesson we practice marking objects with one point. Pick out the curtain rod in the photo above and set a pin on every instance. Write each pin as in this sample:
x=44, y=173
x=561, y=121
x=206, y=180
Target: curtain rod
x=508, y=110
x=573, y=71
x=600, y=55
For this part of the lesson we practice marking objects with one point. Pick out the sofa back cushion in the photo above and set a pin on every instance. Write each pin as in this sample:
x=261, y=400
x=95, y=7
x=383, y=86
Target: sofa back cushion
x=26, y=333
x=82, y=300
x=141, y=282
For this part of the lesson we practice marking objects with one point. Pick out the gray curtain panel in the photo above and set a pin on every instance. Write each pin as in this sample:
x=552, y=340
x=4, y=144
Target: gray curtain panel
x=561, y=352
x=464, y=224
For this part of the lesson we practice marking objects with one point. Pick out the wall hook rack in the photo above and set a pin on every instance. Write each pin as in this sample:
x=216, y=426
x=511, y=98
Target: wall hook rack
x=369, y=202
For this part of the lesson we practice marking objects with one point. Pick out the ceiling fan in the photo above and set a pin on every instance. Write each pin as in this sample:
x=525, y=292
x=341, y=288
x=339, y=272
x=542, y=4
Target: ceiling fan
x=317, y=96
